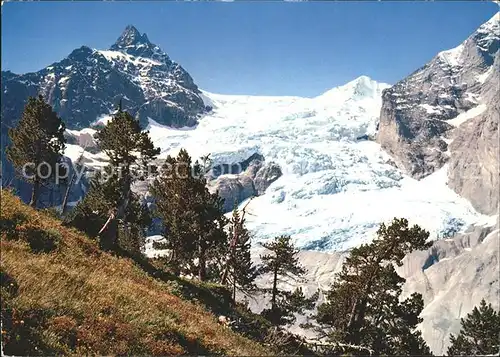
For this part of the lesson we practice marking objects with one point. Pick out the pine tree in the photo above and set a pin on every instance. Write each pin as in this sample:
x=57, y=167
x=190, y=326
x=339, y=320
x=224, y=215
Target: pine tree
x=37, y=145
x=123, y=140
x=283, y=262
x=110, y=203
x=242, y=271
x=91, y=214
x=363, y=307
x=130, y=149
x=192, y=217
x=211, y=238
x=480, y=333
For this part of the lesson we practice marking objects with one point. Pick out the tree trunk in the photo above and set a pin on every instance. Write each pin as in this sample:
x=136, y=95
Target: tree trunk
x=234, y=290
x=232, y=245
x=202, y=268
x=359, y=306
x=174, y=264
x=357, y=317
x=275, y=288
x=66, y=195
x=36, y=183
x=111, y=234
x=107, y=234
x=35, y=192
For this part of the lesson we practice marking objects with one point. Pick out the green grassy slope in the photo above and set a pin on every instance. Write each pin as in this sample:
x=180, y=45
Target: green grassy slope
x=62, y=295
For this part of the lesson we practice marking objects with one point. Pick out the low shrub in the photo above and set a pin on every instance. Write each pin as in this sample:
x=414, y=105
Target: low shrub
x=42, y=241
x=52, y=212
x=10, y=225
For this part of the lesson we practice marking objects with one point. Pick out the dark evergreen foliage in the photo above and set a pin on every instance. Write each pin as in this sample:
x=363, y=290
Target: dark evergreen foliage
x=283, y=262
x=192, y=217
x=242, y=271
x=92, y=212
x=110, y=209
x=123, y=140
x=480, y=333
x=363, y=307
x=37, y=145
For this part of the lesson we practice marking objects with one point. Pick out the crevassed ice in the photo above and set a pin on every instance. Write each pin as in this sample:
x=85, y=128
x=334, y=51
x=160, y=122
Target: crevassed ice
x=336, y=188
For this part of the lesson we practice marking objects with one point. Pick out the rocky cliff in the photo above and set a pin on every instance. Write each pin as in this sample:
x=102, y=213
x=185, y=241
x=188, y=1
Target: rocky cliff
x=246, y=179
x=448, y=111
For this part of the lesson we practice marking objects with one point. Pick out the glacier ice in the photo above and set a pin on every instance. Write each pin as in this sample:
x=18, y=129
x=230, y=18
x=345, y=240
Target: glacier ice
x=335, y=189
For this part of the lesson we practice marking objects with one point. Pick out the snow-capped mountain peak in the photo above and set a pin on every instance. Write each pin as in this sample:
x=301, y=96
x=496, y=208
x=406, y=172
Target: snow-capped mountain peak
x=360, y=88
x=488, y=35
x=364, y=86
x=362, y=81
x=90, y=82
x=132, y=42
x=131, y=37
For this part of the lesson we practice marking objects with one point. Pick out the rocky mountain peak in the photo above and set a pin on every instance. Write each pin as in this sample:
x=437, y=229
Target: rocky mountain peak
x=80, y=53
x=133, y=43
x=88, y=83
x=487, y=38
x=130, y=37
x=492, y=25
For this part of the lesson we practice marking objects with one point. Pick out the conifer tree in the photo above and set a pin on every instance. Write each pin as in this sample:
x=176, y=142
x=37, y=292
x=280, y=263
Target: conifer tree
x=110, y=203
x=130, y=149
x=283, y=262
x=242, y=271
x=92, y=213
x=480, y=333
x=363, y=308
x=123, y=140
x=192, y=217
x=37, y=145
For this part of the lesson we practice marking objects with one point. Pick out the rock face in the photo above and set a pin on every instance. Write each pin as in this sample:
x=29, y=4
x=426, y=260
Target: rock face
x=244, y=180
x=474, y=166
x=266, y=176
x=234, y=189
x=89, y=83
x=474, y=162
x=448, y=111
x=455, y=275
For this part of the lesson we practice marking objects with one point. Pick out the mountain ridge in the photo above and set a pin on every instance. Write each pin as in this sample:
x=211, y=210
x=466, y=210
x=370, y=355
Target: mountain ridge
x=89, y=83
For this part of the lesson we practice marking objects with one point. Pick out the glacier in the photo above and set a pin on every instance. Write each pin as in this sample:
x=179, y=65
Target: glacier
x=335, y=189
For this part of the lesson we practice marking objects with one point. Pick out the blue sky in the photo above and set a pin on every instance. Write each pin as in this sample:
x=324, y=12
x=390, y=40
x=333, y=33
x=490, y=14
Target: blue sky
x=264, y=48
